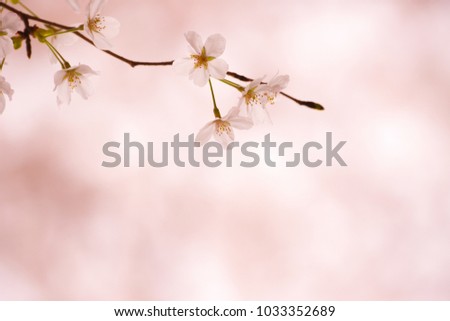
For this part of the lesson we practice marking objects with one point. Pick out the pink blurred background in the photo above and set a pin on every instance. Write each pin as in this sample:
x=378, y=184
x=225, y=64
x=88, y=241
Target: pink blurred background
x=378, y=229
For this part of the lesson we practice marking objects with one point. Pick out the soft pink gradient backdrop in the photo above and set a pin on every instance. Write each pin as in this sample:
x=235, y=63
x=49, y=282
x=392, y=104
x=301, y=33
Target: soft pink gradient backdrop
x=378, y=229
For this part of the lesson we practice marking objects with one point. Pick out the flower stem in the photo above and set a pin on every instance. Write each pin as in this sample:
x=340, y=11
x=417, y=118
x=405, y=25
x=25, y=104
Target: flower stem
x=2, y=64
x=59, y=57
x=61, y=32
x=216, y=110
x=232, y=84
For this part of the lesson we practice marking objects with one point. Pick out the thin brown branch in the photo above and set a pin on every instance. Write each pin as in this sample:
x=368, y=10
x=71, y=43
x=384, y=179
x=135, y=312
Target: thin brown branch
x=132, y=63
x=238, y=77
x=26, y=17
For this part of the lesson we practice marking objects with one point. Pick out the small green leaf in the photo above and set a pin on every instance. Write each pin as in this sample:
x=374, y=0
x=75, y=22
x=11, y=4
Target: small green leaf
x=17, y=41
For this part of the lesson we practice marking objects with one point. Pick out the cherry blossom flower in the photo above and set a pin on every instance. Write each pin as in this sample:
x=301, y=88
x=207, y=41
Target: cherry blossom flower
x=73, y=79
x=203, y=62
x=258, y=95
x=10, y=23
x=253, y=97
x=222, y=128
x=274, y=87
x=5, y=89
x=252, y=94
x=100, y=28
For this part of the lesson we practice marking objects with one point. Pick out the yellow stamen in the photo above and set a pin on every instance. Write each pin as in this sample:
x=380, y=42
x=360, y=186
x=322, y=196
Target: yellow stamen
x=223, y=127
x=73, y=78
x=252, y=98
x=201, y=61
x=96, y=24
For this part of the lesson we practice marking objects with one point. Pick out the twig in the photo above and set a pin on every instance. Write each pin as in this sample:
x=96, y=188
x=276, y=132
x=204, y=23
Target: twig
x=27, y=17
x=132, y=63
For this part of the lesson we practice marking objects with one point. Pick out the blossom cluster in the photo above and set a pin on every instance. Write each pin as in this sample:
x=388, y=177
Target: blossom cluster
x=100, y=29
x=202, y=63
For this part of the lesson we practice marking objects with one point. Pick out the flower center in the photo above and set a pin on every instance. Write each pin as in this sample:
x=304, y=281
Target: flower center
x=201, y=61
x=73, y=78
x=251, y=97
x=270, y=97
x=97, y=24
x=223, y=127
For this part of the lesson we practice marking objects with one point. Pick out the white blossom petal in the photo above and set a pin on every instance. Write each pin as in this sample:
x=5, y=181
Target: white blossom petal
x=194, y=40
x=200, y=76
x=278, y=83
x=254, y=84
x=205, y=133
x=260, y=115
x=64, y=94
x=218, y=68
x=236, y=120
x=240, y=101
x=95, y=6
x=5, y=89
x=59, y=77
x=215, y=45
x=241, y=123
x=85, y=89
x=100, y=41
x=224, y=138
x=10, y=23
x=66, y=39
x=2, y=103
x=6, y=46
x=112, y=27
x=86, y=70
x=232, y=113
x=183, y=66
